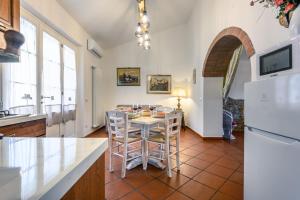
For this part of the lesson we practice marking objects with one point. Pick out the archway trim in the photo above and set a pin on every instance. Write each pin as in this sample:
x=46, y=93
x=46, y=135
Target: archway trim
x=221, y=51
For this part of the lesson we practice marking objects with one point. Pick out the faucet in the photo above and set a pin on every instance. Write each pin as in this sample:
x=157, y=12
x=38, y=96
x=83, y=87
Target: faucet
x=4, y=113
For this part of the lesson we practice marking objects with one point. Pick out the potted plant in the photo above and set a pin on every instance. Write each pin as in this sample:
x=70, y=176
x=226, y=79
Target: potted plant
x=288, y=12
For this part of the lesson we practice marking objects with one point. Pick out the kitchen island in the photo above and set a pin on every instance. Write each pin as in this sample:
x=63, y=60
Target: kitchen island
x=52, y=168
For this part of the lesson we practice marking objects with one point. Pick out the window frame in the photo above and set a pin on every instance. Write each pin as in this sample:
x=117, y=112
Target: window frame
x=4, y=80
x=42, y=27
x=32, y=19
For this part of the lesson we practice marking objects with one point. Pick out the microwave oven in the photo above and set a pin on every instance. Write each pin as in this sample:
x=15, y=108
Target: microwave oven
x=281, y=59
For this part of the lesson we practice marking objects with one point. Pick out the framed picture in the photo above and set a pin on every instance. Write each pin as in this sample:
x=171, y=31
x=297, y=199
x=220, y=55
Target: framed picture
x=194, y=76
x=159, y=84
x=129, y=76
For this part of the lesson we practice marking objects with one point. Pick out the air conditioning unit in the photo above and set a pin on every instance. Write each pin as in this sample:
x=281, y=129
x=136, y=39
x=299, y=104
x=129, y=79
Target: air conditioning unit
x=94, y=48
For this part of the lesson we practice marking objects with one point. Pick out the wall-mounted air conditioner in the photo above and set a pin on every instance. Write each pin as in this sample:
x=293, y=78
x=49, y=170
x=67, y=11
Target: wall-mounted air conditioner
x=94, y=48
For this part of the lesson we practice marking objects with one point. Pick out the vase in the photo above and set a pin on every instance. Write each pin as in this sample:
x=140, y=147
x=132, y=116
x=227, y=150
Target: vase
x=14, y=41
x=294, y=24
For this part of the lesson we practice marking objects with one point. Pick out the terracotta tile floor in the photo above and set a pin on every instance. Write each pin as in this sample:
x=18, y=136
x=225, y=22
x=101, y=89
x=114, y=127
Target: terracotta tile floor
x=210, y=170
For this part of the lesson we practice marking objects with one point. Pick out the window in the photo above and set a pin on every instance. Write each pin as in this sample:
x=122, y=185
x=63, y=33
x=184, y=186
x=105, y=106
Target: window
x=20, y=79
x=45, y=79
x=69, y=76
x=51, y=70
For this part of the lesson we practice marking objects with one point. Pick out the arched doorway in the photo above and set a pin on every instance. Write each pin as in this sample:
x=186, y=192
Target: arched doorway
x=215, y=68
x=222, y=48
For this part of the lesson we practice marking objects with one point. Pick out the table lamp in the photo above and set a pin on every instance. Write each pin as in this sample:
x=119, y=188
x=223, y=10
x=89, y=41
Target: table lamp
x=179, y=93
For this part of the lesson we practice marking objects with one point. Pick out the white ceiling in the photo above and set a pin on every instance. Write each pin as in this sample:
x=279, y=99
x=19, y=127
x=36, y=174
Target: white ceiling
x=113, y=22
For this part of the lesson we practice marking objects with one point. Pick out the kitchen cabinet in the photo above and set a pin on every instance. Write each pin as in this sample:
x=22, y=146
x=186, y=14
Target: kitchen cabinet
x=9, y=18
x=91, y=185
x=34, y=128
x=74, y=171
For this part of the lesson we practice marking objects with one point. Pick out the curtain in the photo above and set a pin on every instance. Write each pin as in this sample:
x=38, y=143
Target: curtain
x=233, y=65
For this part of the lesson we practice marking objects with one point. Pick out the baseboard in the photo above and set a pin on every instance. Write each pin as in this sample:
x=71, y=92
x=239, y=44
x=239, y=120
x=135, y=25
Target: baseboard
x=212, y=138
x=194, y=132
x=94, y=131
x=201, y=135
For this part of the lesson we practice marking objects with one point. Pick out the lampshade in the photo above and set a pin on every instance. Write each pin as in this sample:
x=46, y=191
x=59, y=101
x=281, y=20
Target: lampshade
x=142, y=30
x=179, y=92
x=145, y=18
x=146, y=45
x=140, y=41
x=146, y=36
x=139, y=31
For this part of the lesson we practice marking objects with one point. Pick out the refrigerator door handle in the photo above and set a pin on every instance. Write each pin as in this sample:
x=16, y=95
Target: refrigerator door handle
x=272, y=136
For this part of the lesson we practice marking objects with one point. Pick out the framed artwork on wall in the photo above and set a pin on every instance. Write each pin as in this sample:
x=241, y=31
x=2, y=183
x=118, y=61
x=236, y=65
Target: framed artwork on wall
x=129, y=76
x=159, y=84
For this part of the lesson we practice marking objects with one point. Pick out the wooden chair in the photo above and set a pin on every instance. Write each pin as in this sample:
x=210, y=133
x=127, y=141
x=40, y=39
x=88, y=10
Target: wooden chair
x=120, y=134
x=164, y=138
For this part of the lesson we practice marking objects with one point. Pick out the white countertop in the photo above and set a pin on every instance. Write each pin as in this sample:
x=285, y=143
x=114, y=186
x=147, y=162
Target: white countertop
x=45, y=168
x=17, y=120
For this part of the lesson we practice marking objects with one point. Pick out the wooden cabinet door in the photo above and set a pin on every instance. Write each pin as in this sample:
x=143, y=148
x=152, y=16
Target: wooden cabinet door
x=8, y=131
x=35, y=128
x=31, y=129
x=6, y=14
x=9, y=18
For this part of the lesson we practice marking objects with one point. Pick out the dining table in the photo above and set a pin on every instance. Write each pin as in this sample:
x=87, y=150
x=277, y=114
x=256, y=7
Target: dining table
x=146, y=123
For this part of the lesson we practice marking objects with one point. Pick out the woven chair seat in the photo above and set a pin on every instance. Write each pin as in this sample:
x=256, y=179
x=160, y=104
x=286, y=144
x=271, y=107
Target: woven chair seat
x=160, y=138
x=131, y=139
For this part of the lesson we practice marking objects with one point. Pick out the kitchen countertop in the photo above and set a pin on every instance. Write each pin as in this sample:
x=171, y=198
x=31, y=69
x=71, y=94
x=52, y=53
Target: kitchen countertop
x=21, y=119
x=45, y=168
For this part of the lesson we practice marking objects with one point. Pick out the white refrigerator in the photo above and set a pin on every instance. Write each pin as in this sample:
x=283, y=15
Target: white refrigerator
x=272, y=139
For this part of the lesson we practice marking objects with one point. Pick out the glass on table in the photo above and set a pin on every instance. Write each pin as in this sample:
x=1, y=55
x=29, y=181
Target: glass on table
x=151, y=108
x=140, y=107
x=154, y=111
x=135, y=108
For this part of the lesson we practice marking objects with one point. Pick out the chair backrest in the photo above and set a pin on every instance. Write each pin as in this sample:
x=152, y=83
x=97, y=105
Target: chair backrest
x=227, y=120
x=173, y=123
x=117, y=123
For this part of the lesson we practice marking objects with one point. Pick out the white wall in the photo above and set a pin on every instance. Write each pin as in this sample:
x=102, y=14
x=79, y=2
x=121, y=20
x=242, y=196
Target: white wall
x=168, y=55
x=212, y=92
x=242, y=76
x=209, y=18
x=175, y=51
x=55, y=16
x=178, y=50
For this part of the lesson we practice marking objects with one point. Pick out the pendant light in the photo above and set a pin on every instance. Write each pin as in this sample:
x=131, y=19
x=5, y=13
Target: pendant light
x=142, y=29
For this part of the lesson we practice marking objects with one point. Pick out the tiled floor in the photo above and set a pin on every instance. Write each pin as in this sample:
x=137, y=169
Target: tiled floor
x=210, y=170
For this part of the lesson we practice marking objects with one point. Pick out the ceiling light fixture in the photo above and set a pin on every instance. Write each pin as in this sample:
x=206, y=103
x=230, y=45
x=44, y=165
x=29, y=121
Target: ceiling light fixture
x=142, y=29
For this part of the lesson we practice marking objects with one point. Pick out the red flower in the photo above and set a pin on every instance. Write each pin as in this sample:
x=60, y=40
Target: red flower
x=289, y=7
x=278, y=2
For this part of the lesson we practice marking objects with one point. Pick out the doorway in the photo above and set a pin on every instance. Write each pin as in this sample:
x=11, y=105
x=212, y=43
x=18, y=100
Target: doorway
x=58, y=86
x=234, y=101
x=44, y=81
x=218, y=60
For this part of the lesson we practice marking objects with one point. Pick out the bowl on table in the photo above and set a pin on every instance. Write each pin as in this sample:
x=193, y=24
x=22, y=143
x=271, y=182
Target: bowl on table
x=146, y=113
x=160, y=115
x=132, y=115
x=124, y=109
